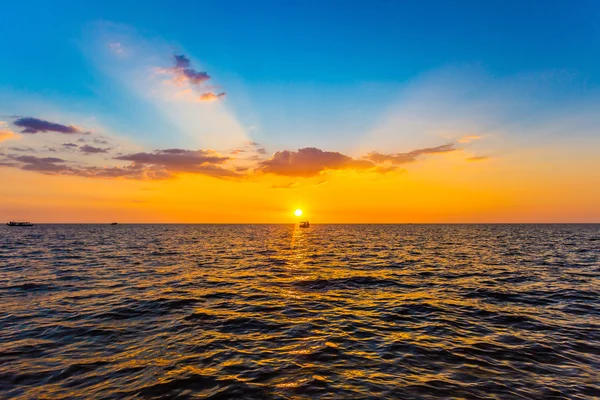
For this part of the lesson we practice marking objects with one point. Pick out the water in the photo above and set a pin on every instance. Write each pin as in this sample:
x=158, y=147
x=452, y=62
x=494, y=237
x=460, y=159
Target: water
x=274, y=311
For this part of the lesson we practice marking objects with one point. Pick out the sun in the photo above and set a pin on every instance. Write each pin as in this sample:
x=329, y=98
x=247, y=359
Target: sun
x=298, y=212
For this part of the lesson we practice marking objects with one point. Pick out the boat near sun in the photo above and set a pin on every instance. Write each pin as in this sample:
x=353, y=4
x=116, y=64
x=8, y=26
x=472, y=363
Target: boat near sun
x=304, y=224
x=15, y=223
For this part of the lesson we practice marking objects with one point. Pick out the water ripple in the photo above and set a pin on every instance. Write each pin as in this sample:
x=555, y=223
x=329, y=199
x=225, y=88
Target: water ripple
x=273, y=311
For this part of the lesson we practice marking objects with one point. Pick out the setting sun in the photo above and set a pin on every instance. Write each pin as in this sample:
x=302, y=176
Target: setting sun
x=298, y=212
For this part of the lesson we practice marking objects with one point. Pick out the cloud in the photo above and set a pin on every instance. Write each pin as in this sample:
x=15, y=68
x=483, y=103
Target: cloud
x=175, y=157
x=41, y=164
x=160, y=164
x=35, y=125
x=479, y=158
x=261, y=151
x=69, y=145
x=310, y=161
x=23, y=149
x=210, y=96
x=134, y=171
x=468, y=138
x=172, y=161
x=404, y=158
x=116, y=47
x=100, y=141
x=6, y=135
x=87, y=149
x=183, y=74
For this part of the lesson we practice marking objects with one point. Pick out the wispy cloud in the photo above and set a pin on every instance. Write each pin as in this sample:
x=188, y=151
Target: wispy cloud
x=210, y=96
x=468, y=138
x=116, y=47
x=478, y=158
x=290, y=185
x=404, y=158
x=23, y=149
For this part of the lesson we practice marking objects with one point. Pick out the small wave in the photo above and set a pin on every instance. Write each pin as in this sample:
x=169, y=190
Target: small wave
x=357, y=282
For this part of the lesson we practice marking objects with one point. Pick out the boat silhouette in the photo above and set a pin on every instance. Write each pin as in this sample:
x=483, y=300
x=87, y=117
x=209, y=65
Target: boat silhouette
x=16, y=223
x=304, y=224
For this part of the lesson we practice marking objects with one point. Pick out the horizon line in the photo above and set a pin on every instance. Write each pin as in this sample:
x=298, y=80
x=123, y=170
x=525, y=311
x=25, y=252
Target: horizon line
x=315, y=223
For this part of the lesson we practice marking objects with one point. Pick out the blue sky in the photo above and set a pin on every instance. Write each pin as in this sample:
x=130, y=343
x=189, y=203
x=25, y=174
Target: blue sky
x=297, y=74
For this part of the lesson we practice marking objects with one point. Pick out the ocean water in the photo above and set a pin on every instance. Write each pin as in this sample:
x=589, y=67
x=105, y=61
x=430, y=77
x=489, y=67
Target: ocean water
x=275, y=311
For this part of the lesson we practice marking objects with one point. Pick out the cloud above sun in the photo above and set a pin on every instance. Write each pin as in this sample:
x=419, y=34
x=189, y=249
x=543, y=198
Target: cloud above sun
x=410, y=157
x=184, y=75
x=97, y=157
x=180, y=92
x=310, y=161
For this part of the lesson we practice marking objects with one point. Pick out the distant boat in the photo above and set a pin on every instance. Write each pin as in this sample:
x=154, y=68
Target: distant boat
x=15, y=223
x=304, y=224
x=114, y=223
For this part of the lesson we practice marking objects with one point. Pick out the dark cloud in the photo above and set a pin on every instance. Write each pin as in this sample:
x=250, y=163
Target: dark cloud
x=160, y=164
x=183, y=72
x=41, y=164
x=181, y=61
x=87, y=149
x=178, y=160
x=69, y=145
x=310, y=161
x=404, y=158
x=35, y=125
x=261, y=151
x=175, y=158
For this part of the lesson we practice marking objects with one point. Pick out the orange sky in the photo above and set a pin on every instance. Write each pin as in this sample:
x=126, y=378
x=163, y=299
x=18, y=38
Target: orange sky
x=444, y=188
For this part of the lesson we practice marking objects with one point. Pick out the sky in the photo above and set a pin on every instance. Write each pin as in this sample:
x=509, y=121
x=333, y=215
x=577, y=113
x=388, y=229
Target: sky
x=353, y=111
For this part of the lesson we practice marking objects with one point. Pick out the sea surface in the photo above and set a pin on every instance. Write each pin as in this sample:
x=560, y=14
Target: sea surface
x=279, y=312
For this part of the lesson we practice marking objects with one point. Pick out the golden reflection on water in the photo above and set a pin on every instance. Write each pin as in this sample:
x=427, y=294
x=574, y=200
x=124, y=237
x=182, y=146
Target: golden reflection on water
x=263, y=311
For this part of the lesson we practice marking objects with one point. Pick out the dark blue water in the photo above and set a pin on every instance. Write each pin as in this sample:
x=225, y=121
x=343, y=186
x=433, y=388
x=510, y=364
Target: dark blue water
x=274, y=311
